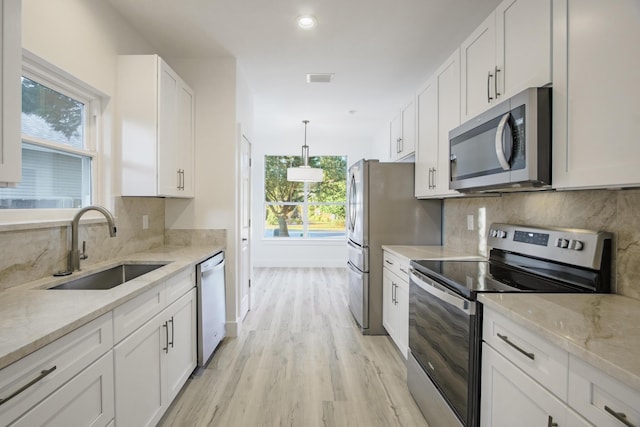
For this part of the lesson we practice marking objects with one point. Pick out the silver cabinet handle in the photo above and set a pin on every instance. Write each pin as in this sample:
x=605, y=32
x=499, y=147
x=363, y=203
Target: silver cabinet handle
x=526, y=353
x=388, y=262
x=620, y=416
x=404, y=271
x=166, y=330
x=495, y=82
x=173, y=332
x=430, y=178
x=178, y=174
x=550, y=422
x=489, y=98
x=504, y=155
x=43, y=374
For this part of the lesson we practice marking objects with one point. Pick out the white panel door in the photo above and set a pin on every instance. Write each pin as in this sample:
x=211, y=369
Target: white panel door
x=245, y=226
x=427, y=140
x=169, y=178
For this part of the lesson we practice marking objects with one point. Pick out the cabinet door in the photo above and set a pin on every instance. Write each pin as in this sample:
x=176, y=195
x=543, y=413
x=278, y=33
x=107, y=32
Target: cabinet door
x=181, y=358
x=478, y=63
x=10, y=71
x=169, y=177
x=185, y=140
x=595, y=114
x=408, y=138
x=395, y=137
x=86, y=400
x=427, y=146
x=448, y=77
x=140, y=375
x=511, y=398
x=402, y=317
x=523, y=40
x=388, y=292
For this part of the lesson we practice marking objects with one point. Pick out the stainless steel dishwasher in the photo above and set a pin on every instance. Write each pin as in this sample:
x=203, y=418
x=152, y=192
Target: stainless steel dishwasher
x=211, y=307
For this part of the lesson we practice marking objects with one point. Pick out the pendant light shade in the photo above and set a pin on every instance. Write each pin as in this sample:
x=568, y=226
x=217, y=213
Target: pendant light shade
x=305, y=173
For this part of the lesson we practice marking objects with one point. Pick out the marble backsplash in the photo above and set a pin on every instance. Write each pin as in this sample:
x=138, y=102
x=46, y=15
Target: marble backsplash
x=30, y=254
x=615, y=211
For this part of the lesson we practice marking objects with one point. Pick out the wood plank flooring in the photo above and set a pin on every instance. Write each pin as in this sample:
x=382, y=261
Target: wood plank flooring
x=299, y=361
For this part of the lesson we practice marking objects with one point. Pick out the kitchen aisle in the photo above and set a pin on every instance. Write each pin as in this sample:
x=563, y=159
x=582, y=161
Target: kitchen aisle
x=299, y=361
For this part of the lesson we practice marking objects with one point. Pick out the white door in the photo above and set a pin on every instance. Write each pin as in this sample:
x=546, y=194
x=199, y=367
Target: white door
x=245, y=226
x=182, y=352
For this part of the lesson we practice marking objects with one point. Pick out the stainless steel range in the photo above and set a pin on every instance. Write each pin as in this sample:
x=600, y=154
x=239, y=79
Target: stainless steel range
x=445, y=320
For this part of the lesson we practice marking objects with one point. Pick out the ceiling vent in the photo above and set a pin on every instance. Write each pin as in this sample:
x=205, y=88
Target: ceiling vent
x=319, y=78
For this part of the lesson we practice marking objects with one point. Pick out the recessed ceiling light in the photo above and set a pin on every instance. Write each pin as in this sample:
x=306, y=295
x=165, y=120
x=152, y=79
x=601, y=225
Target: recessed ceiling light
x=307, y=22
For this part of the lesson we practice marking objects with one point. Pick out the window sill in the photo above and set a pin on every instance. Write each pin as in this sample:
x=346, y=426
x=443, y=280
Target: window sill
x=9, y=220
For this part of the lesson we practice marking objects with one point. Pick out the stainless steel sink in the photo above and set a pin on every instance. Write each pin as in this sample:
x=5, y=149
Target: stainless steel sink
x=110, y=278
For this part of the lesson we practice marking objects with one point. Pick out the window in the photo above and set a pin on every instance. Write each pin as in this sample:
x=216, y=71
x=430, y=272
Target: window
x=58, y=151
x=305, y=210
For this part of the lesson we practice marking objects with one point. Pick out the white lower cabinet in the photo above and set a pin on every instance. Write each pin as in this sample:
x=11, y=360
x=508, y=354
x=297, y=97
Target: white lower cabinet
x=86, y=400
x=153, y=363
x=512, y=398
x=395, y=303
x=528, y=381
x=69, y=379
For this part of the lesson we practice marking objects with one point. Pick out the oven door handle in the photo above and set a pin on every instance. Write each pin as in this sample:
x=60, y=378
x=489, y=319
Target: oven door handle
x=427, y=285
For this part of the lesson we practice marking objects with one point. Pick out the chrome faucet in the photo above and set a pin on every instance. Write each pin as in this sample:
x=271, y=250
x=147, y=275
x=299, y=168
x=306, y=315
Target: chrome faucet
x=74, y=253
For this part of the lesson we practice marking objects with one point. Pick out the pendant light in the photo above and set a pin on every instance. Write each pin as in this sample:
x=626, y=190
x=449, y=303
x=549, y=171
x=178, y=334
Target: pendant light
x=305, y=173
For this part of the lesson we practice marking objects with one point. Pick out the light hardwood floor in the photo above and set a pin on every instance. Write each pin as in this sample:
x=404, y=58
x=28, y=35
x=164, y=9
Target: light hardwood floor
x=299, y=361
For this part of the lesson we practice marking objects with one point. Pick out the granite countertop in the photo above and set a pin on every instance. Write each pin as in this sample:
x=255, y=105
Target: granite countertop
x=32, y=316
x=429, y=252
x=601, y=329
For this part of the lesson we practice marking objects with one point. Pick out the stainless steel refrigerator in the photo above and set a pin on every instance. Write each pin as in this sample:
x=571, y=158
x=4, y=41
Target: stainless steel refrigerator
x=382, y=210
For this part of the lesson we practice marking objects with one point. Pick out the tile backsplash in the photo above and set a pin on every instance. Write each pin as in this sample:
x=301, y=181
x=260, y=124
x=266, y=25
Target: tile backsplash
x=615, y=211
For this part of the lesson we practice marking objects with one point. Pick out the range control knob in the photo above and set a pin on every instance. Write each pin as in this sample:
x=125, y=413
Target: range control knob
x=562, y=243
x=493, y=233
x=502, y=234
x=576, y=245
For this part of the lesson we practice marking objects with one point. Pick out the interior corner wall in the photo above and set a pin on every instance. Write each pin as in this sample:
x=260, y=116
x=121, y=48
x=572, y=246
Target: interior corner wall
x=214, y=84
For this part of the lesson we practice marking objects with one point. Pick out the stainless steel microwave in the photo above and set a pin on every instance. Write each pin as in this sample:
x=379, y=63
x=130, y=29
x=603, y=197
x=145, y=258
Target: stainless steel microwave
x=506, y=148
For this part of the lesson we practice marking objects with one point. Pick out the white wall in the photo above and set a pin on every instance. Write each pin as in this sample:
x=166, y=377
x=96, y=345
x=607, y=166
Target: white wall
x=215, y=83
x=270, y=252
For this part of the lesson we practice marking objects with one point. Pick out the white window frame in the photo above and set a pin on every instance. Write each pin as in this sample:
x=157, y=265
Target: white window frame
x=41, y=71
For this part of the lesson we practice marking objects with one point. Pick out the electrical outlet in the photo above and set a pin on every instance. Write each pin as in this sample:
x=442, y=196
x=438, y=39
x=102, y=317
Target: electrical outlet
x=145, y=222
x=470, y=222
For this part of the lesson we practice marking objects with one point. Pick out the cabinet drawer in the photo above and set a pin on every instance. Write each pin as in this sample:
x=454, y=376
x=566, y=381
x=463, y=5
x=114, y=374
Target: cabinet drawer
x=398, y=265
x=86, y=400
x=597, y=396
x=540, y=359
x=134, y=313
x=180, y=284
x=55, y=364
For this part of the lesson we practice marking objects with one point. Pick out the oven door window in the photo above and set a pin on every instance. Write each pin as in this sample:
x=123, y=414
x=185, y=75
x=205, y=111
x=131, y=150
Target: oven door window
x=441, y=338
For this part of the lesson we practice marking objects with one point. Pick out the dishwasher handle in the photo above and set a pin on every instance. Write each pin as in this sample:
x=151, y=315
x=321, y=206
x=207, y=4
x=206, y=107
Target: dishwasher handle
x=216, y=262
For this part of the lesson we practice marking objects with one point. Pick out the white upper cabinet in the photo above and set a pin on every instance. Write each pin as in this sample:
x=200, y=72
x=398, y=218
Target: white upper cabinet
x=438, y=105
x=402, y=142
x=10, y=92
x=157, y=128
x=508, y=52
x=596, y=90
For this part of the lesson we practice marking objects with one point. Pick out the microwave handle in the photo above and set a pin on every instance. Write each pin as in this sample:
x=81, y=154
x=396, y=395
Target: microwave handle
x=504, y=153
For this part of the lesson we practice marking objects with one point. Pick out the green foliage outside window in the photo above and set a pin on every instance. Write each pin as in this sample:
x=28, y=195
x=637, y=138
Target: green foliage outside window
x=296, y=209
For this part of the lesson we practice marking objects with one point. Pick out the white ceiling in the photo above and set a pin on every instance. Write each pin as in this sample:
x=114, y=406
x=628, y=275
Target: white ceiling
x=379, y=50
